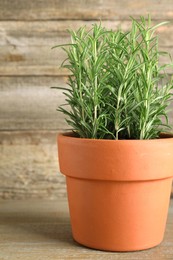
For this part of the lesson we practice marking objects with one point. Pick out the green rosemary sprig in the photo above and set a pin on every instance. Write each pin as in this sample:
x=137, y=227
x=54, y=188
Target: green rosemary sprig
x=114, y=91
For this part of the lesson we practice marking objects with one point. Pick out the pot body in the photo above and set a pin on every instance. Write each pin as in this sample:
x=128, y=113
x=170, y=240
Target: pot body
x=118, y=191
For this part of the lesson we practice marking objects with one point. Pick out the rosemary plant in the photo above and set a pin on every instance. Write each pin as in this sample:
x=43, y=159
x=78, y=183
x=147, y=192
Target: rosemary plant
x=114, y=89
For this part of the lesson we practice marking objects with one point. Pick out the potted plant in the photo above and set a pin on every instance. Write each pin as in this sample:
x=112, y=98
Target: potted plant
x=118, y=165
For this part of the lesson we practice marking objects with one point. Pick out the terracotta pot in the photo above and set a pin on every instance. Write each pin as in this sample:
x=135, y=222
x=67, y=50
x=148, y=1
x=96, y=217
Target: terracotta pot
x=118, y=191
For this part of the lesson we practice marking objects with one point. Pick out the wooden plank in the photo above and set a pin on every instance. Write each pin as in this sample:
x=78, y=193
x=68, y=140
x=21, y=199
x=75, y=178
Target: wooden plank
x=50, y=33
x=40, y=229
x=25, y=47
x=30, y=56
x=58, y=9
x=33, y=71
x=29, y=166
x=29, y=103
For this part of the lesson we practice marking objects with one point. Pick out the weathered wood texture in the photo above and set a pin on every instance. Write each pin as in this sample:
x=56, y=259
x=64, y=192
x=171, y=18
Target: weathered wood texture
x=28, y=68
x=25, y=47
x=40, y=229
x=82, y=9
x=29, y=166
x=29, y=103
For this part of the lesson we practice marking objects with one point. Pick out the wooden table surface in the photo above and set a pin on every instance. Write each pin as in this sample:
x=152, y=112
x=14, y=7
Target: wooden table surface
x=39, y=229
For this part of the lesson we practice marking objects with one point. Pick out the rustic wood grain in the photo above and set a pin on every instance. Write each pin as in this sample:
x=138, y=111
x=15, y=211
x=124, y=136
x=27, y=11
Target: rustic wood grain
x=32, y=71
x=40, y=229
x=25, y=47
x=29, y=103
x=59, y=9
x=48, y=33
x=29, y=166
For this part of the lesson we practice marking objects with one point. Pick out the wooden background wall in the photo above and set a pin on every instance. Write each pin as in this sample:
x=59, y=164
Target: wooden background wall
x=28, y=68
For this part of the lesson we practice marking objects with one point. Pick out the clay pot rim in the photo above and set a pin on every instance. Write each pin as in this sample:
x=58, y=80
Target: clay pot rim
x=118, y=160
x=164, y=137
